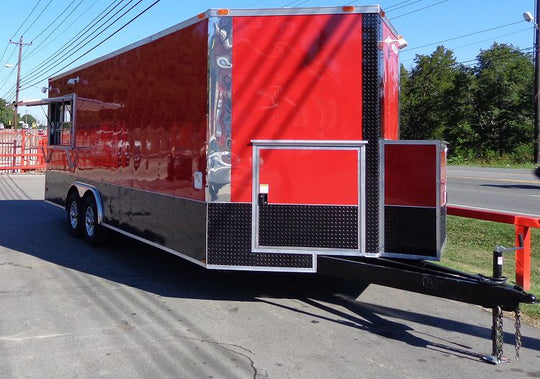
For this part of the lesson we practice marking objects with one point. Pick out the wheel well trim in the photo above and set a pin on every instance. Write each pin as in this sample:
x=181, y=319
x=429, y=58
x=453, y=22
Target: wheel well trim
x=84, y=190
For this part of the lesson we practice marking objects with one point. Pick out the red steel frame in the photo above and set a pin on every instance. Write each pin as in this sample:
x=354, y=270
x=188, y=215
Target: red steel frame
x=522, y=225
x=22, y=150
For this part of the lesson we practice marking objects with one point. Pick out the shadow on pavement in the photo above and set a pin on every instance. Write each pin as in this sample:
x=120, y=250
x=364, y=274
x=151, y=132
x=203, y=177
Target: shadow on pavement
x=514, y=186
x=39, y=229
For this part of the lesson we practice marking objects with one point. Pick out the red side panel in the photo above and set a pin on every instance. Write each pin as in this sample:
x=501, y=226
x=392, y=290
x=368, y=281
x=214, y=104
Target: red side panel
x=295, y=78
x=303, y=182
x=410, y=174
x=390, y=101
x=143, y=124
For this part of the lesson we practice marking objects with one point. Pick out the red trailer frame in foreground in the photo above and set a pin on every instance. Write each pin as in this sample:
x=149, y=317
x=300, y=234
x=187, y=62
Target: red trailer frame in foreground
x=522, y=224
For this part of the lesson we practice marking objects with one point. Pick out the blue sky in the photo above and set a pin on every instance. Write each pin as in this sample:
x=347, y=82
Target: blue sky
x=466, y=27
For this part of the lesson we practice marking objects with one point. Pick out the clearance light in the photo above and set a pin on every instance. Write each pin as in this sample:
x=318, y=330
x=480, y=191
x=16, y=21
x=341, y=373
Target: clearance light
x=223, y=12
x=200, y=16
x=401, y=42
x=382, y=13
x=347, y=8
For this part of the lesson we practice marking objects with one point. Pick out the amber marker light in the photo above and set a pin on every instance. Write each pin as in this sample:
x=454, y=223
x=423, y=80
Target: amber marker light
x=347, y=8
x=200, y=16
x=223, y=12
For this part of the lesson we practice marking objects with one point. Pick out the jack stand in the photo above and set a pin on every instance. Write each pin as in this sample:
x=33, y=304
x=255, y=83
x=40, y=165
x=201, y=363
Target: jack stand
x=496, y=356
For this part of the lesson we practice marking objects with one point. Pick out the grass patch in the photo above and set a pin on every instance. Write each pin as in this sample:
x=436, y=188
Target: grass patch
x=469, y=248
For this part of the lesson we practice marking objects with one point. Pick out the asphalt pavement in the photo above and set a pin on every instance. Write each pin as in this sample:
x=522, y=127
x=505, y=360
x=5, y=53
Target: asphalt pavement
x=508, y=190
x=129, y=310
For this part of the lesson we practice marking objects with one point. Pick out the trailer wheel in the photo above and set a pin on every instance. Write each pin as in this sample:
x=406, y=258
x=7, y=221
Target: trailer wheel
x=74, y=215
x=93, y=232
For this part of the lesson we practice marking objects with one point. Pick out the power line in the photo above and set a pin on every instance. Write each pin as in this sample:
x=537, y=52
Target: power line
x=8, y=76
x=78, y=47
x=507, y=55
x=493, y=39
x=19, y=28
x=419, y=9
x=37, y=17
x=56, y=57
x=292, y=3
x=26, y=19
x=103, y=41
x=396, y=7
x=39, y=47
x=464, y=35
x=56, y=19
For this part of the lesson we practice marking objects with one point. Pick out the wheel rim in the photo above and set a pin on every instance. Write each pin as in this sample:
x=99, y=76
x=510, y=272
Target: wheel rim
x=89, y=221
x=73, y=214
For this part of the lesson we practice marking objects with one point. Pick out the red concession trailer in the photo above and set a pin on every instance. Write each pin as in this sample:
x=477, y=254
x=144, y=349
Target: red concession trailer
x=249, y=140
x=263, y=140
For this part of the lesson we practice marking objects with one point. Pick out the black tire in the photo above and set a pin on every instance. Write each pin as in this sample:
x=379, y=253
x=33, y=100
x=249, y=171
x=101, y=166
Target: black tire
x=74, y=215
x=93, y=232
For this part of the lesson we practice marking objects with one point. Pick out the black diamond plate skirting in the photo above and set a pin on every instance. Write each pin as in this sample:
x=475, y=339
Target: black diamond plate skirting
x=229, y=240
x=309, y=226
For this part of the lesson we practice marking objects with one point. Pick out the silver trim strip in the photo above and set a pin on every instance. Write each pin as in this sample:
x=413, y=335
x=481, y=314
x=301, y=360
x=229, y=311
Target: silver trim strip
x=307, y=250
x=358, y=146
x=288, y=143
x=262, y=268
x=382, y=180
x=296, y=11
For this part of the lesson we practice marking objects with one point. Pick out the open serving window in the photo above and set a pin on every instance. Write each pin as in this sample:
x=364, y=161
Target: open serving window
x=60, y=118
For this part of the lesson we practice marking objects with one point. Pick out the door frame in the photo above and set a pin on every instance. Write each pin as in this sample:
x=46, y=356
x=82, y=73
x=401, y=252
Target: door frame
x=258, y=145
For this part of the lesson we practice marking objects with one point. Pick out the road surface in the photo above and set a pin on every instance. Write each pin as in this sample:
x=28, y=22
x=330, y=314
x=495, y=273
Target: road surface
x=509, y=190
x=128, y=310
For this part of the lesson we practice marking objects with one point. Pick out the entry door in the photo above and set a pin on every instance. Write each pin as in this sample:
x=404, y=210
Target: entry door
x=308, y=197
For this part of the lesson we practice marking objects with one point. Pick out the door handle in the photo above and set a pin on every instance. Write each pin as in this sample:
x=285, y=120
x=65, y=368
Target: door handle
x=263, y=199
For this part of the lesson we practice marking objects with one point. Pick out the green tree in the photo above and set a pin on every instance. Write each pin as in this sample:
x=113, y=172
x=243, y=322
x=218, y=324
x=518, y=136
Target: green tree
x=29, y=119
x=459, y=129
x=428, y=95
x=6, y=114
x=503, y=100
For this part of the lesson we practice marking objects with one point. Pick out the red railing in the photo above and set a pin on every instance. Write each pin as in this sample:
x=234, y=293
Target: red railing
x=22, y=150
x=522, y=223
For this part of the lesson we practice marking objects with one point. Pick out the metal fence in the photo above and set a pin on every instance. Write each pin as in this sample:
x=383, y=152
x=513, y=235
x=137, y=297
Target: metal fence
x=22, y=150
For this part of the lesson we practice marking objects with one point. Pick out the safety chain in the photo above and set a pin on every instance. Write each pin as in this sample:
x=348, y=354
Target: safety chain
x=518, y=330
x=499, y=334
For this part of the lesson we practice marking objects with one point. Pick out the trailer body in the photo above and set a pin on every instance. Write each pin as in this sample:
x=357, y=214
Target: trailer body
x=250, y=140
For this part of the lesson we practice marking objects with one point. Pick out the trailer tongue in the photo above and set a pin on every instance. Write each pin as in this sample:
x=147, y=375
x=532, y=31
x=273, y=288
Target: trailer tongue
x=429, y=279
x=435, y=280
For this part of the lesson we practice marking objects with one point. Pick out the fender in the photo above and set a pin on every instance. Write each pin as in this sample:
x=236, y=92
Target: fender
x=82, y=189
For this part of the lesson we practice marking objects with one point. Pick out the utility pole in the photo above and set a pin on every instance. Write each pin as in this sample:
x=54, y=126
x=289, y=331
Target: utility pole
x=16, y=109
x=536, y=138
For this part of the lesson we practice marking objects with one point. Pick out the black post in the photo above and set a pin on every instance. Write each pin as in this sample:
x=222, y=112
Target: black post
x=497, y=316
x=497, y=262
x=536, y=137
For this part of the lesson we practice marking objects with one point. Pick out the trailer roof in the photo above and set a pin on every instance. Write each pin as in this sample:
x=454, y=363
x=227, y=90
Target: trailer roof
x=225, y=12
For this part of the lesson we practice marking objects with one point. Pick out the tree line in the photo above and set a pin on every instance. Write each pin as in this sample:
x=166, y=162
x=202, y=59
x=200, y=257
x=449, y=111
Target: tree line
x=483, y=111
x=7, y=113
